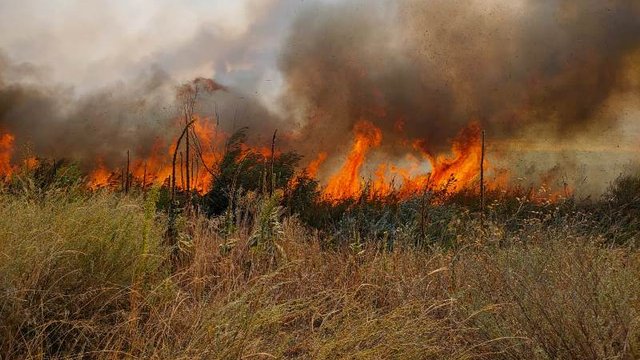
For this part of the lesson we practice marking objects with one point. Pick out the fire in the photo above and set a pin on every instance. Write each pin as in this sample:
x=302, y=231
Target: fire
x=453, y=172
x=100, y=177
x=347, y=183
x=6, y=152
x=157, y=168
x=418, y=171
x=206, y=150
x=209, y=142
x=462, y=168
x=314, y=166
x=31, y=162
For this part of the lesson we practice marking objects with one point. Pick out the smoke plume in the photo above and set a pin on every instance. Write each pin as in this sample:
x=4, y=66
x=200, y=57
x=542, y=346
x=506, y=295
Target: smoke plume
x=425, y=69
x=52, y=122
x=420, y=71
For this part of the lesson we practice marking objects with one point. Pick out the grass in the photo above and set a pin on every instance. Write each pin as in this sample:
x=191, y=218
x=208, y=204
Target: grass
x=92, y=275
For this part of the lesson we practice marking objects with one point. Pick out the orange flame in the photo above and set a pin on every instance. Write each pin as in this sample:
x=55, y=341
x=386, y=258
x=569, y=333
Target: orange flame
x=463, y=167
x=157, y=167
x=206, y=150
x=346, y=183
x=420, y=170
x=6, y=151
x=100, y=176
x=314, y=166
x=453, y=172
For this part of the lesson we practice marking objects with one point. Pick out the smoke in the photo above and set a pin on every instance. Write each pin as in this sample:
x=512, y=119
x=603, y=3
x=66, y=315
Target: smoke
x=425, y=69
x=559, y=70
x=93, y=44
x=71, y=89
x=51, y=121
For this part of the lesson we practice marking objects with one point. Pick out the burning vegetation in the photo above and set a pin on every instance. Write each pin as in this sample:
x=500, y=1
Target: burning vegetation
x=191, y=161
x=392, y=99
x=195, y=170
x=396, y=199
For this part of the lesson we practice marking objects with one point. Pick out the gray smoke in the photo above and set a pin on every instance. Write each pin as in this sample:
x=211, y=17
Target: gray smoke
x=419, y=70
x=52, y=122
x=431, y=67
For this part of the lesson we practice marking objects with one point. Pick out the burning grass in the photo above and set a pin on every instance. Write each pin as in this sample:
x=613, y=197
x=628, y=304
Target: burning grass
x=197, y=169
x=94, y=274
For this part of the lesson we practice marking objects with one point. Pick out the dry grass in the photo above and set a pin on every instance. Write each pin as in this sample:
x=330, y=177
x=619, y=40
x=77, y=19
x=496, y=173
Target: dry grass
x=89, y=276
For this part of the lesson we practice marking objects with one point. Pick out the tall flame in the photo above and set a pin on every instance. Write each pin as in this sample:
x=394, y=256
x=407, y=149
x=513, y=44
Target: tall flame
x=418, y=171
x=453, y=172
x=6, y=151
x=461, y=169
x=347, y=183
x=314, y=166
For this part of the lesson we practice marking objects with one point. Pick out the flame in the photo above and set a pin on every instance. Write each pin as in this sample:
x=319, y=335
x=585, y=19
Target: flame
x=380, y=186
x=463, y=168
x=452, y=172
x=347, y=183
x=209, y=144
x=157, y=168
x=418, y=171
x=314, y=166
x=206, y=150
x=31, y=162
x=100, y=177
x=6, y=152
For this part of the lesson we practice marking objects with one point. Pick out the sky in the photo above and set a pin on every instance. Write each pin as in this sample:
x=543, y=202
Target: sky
x=91, y=44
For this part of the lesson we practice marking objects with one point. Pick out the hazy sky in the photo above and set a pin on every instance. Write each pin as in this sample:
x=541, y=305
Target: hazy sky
x=96, y=43
x=89, y=44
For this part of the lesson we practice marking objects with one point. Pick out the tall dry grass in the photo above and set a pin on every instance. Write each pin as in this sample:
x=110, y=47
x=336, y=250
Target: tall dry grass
x=90, y=275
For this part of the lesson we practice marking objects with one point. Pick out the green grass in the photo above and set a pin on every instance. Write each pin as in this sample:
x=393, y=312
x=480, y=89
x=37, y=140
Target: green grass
x=91, y=275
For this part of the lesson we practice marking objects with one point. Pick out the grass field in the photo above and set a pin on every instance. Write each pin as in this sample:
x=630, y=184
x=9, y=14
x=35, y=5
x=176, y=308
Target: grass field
x=92, y=274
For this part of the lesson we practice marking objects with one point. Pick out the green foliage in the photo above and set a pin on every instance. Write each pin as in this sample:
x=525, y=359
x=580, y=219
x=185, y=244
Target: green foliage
x=243, y=170
x=303, y=199
x=267, y=227
x=48, y=177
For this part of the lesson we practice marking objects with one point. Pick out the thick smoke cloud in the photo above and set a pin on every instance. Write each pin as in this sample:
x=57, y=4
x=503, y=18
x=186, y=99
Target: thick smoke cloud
x=91, y=44
x=425, y=69
x=419, y=70
x=95, y=94
x=51, y=121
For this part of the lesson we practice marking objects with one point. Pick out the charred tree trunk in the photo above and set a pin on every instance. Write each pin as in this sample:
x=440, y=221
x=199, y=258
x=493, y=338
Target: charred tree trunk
x=182, y=171
x=187, y=186
x=482, y=183
x=175, y=156
x=271, y=173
